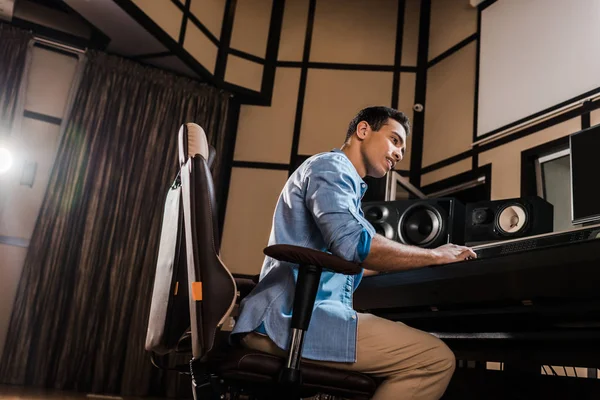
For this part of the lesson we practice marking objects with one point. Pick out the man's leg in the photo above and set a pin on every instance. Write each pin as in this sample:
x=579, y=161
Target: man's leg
x=414, y=364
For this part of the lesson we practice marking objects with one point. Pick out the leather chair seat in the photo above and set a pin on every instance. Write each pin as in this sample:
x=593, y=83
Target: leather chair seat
x=241, y=364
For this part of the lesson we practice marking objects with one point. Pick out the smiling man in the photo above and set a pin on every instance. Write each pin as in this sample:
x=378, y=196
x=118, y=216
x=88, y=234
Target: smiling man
x=320, y=208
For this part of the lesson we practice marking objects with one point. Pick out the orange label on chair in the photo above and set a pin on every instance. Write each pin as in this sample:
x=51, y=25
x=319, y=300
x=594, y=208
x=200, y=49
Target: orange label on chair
x=197, y=291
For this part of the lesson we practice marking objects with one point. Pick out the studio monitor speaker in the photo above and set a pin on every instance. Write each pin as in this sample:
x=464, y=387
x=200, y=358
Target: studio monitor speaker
x=507, y=219
x=426, y=223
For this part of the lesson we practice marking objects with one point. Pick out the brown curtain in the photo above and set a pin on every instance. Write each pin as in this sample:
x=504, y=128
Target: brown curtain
x=13, y=53
x=81, y=311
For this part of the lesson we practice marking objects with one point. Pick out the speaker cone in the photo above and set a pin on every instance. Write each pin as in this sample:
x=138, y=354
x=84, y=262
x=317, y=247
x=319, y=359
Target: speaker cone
x=511, y=219
x=420, y=225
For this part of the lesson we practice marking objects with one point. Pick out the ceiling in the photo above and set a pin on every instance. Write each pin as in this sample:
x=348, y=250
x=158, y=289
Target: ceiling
x=121, y=34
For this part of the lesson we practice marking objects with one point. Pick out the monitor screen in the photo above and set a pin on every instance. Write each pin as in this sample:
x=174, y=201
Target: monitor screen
x=585, y=151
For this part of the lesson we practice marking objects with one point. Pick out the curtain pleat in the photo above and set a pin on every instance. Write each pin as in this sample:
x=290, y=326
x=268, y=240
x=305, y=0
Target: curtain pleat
x=81, y=311
x=13, y=55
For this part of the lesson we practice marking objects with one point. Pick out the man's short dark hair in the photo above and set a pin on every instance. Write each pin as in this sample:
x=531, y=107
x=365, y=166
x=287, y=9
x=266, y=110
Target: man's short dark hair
x=376, y=117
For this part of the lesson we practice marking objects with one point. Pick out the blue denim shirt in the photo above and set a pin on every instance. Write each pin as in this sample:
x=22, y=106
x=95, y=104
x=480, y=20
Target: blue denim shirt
x=319, y=208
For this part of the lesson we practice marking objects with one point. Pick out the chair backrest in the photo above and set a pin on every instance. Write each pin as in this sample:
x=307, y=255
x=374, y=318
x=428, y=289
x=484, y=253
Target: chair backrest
x=212, y=288
x=169, y=315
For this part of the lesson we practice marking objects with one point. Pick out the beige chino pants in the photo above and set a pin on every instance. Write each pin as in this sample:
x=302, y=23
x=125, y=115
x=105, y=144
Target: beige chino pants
x=414, y=364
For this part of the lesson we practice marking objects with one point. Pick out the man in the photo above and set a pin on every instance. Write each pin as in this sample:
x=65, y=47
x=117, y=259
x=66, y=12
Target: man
x=319, y=208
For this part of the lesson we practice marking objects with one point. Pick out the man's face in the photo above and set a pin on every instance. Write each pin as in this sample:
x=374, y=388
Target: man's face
x=382, y=149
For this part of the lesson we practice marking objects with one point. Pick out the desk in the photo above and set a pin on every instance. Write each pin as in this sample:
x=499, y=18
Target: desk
x=542, y=305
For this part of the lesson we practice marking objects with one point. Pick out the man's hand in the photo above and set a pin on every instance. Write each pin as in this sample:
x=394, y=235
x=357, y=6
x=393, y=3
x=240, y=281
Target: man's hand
x=450, y=253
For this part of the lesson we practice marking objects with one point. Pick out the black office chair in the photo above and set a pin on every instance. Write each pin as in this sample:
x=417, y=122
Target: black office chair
x=212, y=293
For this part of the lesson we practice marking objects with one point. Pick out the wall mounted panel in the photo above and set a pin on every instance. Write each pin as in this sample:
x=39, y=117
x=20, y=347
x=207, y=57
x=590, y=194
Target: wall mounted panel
x=332, y=99
x=253, y=194
x=446, y=172
x=251, y=26
x=595, y=117
x=355, y=32
x=293, y=30
x=265, y=133
x=200, y=47
x=450, y=106
x=244, y=73
x=410, y=36
x=210, y=13
x=451, y=22
x=164, y=13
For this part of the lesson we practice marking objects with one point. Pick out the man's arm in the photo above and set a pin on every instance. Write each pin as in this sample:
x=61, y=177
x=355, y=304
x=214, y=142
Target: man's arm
x=386, y=256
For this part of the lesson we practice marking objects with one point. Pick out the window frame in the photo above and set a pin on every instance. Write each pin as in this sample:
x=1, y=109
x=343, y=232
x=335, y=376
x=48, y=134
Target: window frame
x=531, y=168
x=539, y=176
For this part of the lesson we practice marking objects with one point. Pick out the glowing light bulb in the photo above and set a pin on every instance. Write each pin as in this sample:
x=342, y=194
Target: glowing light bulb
x=5, y=160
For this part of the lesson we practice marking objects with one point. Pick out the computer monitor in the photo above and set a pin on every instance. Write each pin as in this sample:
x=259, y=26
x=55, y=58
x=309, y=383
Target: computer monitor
x=585, y=182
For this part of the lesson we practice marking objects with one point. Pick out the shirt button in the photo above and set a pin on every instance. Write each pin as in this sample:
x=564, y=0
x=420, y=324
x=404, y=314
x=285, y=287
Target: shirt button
x=354, y=317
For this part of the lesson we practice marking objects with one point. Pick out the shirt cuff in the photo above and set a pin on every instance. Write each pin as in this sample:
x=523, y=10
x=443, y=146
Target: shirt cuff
x=364, y=245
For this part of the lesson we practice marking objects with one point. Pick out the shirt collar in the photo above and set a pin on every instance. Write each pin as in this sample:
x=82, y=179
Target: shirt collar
x=362, y=183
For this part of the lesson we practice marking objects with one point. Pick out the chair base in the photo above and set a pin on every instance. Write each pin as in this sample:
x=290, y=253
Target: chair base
x=253, y=372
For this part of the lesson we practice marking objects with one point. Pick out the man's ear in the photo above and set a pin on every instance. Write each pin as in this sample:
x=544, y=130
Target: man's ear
x=362, y=130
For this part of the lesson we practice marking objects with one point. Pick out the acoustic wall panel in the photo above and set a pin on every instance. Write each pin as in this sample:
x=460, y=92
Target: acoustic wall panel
x=200, y=47
x=265, y=133
x=449, y=106
x=210, y=13
x=244, y=73
x=506, y=159
x=451, y=22
x=164, y=13
x=332, y=99
x=253, y=194
x=293, y=31
x=410, y=33
x=447, y=172
x=595, y=117
x=355, y=32
x=251, y=26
